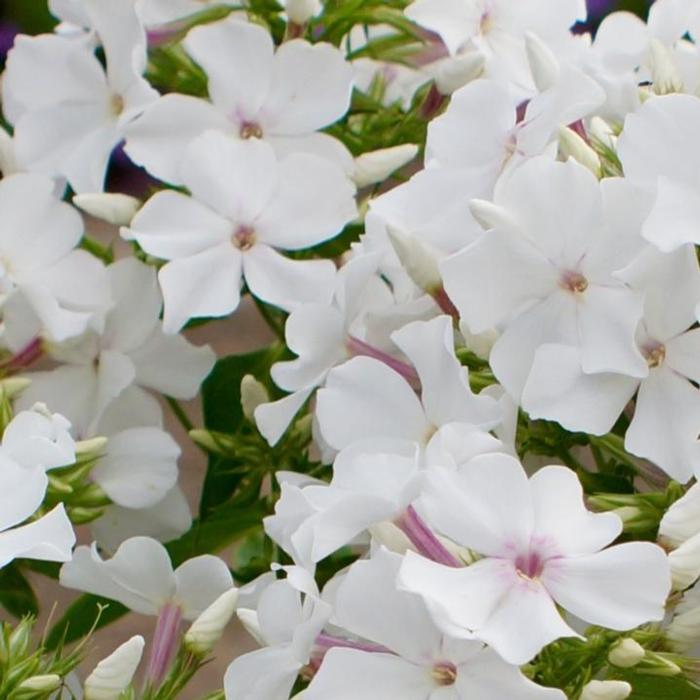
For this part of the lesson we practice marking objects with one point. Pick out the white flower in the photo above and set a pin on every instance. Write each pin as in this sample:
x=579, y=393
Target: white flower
x=412, y=659
x=245, y=206
x=68, y=112
x=541, y=548
x=546, y=274
x=364, y=398
x=131, y=351
x=141, y=577
x=283, y=96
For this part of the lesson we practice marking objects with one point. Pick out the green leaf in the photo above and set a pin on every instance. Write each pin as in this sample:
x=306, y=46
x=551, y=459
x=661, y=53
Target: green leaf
x=16, y=594
x=662, y=688
x=221, y=395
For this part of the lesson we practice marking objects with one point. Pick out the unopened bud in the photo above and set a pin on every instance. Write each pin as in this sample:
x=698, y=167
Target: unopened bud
x=207, y=629
x=543, y=63
x=606, y=690
x=658, y=665
x=571, y=145
x=626, y=653
x=87, y=450
x=376, y=166
x=217, y=443
x=249, y=620
x=301, y=11
x=253, y=393
x=489, y=215
x=114, y=208
x=601, y=131
x=682, y=520
x=685, y=564
x=113, y=675
x=664, y=73
x=38, y=684
x=417, y=258
x=390, y=536
x=454, y=73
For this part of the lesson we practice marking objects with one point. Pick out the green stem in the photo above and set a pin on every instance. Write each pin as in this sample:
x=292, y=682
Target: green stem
x=271, y=321
x=180, y=414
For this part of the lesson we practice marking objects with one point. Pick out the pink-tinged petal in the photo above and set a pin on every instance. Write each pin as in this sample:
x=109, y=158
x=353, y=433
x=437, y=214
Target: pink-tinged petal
x=619, y=588
x=552, y=321
x=525, y=620
x=666, y=424
x=485, y=506
x=238, y=60
x=562, y=518
x=348, y=674
x=363, y=398
x=446, y=394
x=496, y=277
x=50, y=538
x=171, y=225
x=474, y=131
x=158, y=138
x=459, y=600
x=313, y=201
x=310, y=88
x=206, y=284
x=284, y=282
x=395, y=619
x=557, y=389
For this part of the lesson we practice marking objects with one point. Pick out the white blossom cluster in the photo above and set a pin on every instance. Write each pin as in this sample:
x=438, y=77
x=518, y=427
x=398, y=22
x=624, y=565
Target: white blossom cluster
x=532, y=261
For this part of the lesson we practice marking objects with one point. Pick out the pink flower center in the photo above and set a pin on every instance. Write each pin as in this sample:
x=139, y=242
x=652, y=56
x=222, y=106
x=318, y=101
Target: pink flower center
x=529, y=566
x=244, y=238
x=444, y=673
x=573, y=282
x=655, y=354
x=251, y=130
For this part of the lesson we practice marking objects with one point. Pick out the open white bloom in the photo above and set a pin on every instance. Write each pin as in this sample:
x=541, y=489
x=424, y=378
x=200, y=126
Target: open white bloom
x=131, y=351
x=497, y=29
x=114, y=673
x=22, y=490
x=364, y=398
x=141, y=577
x=244, y=206
x=412, y=658
x=67, y=110
x=541, y=548
x=290, y=616
x=47, y=286
x=283, y=96
x=659, y=148
x=545, y=273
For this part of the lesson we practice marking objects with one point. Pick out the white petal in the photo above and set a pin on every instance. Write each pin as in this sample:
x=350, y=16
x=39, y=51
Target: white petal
x=273, y=419
x=267, y=674
x=199, y=582
x=364, y=398
x=284, y=282
x=672, y=219
x=22, y=491
x=619, y=588
x=683, y=354
x=455, y=21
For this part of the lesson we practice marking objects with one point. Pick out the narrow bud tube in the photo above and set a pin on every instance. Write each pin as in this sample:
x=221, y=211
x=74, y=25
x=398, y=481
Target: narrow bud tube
x=165, y=640
x=424, y=540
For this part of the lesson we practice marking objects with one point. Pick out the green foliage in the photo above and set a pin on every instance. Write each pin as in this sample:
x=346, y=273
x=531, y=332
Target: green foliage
x=16, y=594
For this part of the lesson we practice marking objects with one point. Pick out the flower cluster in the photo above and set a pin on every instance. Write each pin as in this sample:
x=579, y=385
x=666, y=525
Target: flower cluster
x=465, y=469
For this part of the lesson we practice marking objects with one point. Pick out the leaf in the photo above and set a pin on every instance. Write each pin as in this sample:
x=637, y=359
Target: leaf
x=221, y=396
x=16, y=593
x=662, y=688
x=80, y=618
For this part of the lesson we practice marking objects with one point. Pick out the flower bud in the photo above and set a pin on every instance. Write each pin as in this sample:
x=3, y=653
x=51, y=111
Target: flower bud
x=12, y=386
x=600, y=130
x=38, y=684
x=606, y=690
x=301, y=11
x=112, y=676
x=626, y=653
x=454, y=73
x=664, y=73
x=417, y=258
x=114, y=208
x=543, y=63
x=489, y=215
x=207, y=629
x=685, y=564
x=87, y=450
x=571, y=145
x=390, y=536
x=376, y=166
x=682, y=520
x=253, y=393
